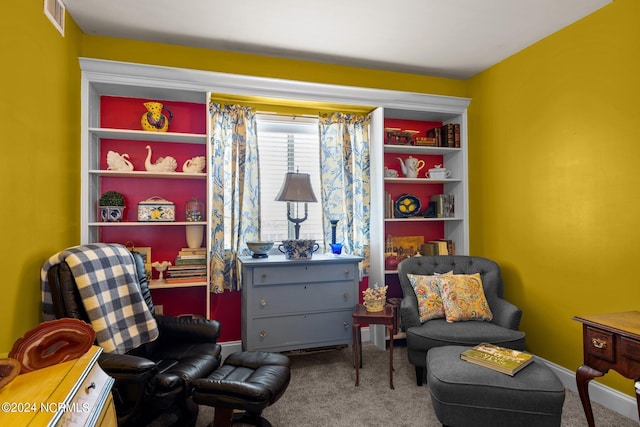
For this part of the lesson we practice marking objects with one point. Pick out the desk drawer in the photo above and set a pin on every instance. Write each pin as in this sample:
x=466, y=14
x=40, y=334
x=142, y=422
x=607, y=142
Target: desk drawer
x=600, y=344
x=630, y=348
x=303, y=273
x=296, y=298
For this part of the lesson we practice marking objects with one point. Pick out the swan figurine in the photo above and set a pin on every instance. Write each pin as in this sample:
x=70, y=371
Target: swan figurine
x=162, y=164
x=118, y=162
x=194, y=165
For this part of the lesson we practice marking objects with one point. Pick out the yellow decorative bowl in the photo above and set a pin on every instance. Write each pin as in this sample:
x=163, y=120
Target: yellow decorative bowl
x=374, y=305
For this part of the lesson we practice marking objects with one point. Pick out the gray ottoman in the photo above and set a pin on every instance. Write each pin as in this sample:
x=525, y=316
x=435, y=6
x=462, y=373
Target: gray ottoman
x=465, y=394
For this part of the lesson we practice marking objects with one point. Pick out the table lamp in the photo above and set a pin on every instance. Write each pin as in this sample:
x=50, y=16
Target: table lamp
x=296, y=188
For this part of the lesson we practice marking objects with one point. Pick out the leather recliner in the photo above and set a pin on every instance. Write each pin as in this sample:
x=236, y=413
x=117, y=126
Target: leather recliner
x=502, y=330
x=156, y=378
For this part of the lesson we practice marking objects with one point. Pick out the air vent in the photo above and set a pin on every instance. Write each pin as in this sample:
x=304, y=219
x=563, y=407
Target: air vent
x=54, y=9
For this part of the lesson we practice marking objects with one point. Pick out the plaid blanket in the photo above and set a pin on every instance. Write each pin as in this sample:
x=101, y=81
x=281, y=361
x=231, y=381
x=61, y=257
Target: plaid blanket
x=106, y=278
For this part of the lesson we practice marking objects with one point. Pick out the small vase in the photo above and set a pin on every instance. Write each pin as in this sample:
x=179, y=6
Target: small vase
x=195, y=233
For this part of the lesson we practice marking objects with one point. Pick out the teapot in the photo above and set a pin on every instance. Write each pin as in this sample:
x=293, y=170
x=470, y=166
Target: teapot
x=411, y=166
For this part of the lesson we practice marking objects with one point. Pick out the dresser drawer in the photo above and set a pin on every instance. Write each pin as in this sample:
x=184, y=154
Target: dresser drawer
x=301, y=331
x=88, y=402
x=295, y=298
x=599, y=343
x=303, y=274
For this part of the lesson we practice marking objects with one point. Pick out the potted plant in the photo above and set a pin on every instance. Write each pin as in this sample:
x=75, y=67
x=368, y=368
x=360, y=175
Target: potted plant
x=111, y=205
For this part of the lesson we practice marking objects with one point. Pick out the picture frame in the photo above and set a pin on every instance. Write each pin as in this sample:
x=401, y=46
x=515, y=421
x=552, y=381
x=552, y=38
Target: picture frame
x=145, y=251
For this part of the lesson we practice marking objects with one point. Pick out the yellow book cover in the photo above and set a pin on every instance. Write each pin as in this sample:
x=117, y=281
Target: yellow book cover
x=501, y=359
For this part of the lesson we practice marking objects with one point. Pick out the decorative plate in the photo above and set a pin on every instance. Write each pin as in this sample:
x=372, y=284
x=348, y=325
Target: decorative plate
x=407, y=205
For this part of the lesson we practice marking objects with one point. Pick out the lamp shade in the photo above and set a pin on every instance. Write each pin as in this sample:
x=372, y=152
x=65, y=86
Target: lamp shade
x=296, y=188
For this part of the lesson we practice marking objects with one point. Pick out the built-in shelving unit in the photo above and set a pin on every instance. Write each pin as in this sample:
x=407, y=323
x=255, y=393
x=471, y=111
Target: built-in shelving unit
x=118, y=79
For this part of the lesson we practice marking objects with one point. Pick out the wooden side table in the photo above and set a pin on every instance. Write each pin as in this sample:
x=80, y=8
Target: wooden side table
x=609, y=341
x=383, y=317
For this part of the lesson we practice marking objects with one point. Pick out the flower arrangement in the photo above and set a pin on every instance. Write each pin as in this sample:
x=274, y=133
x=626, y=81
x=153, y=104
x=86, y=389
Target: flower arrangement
x=375, y=297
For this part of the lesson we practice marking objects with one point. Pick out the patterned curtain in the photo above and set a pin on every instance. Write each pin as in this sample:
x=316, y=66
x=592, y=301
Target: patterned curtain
x=235, y=192
x=344, y=173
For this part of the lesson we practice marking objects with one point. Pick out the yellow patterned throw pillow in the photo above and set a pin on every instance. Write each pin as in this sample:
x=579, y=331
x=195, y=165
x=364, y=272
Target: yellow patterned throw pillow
x=463, y=297
x=428, y=294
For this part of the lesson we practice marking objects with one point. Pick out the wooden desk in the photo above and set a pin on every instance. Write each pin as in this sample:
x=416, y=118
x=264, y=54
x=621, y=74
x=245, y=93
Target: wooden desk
x=609, y=341
x=384, y=317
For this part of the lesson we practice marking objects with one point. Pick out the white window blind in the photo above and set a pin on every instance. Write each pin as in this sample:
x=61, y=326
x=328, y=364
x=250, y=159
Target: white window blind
x=288, y=144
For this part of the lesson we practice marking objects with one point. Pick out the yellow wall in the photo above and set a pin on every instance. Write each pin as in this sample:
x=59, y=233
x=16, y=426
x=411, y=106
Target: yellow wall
x=39, y=112
x=238, y=63
x=554, y=175
x=40, y=117
x=553, y=160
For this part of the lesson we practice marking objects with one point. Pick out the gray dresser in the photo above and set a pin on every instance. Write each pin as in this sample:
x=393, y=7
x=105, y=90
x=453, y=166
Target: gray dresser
x=296, y=304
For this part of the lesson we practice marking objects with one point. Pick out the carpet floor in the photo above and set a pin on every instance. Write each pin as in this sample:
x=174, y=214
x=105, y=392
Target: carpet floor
x=322, y=393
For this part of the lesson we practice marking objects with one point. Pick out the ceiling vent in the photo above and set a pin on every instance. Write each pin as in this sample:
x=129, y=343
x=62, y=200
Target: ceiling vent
x=54, y=9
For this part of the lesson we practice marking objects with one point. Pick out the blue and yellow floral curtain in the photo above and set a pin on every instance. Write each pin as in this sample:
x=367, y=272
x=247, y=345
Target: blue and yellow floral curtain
x=235, y=191
x=345, y=178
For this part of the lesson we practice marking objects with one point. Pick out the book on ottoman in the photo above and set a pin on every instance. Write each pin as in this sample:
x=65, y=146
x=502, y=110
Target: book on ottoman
x=498, y=358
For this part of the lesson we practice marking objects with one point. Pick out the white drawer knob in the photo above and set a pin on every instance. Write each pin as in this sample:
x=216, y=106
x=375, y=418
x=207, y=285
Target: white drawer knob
x=346, y=325
x=263, y=334
x=263, y=302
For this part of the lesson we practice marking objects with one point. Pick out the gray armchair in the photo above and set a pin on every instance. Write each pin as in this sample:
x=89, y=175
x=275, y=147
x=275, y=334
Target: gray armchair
x=502, y=330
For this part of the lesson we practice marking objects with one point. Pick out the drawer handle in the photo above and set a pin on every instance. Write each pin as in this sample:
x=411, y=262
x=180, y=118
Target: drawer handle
x=263, y=334
x=346, y=273
x=598, y=343
x=90, y=386
x=346, y=325
x=346, y=295
x=263, y=302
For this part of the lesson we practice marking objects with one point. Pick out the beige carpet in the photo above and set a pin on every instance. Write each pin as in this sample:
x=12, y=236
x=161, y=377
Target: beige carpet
x=322, y=393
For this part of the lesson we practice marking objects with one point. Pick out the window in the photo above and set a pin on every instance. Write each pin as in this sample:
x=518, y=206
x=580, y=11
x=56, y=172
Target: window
x=288, y=144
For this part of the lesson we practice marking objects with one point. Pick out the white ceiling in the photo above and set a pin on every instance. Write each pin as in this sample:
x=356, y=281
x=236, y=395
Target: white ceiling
x=449, y=38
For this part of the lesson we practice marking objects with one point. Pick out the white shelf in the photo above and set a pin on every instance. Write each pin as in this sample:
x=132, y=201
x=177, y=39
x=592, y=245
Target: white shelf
x=139, y=135
x=419, y=149
x=148, y=174
x=420, y=219
x=420, y=181
x=161, y=284
x=144, y=223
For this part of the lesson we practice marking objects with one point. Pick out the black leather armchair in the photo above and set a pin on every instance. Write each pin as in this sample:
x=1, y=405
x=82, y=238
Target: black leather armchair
x=156, y=377
x=502, y=330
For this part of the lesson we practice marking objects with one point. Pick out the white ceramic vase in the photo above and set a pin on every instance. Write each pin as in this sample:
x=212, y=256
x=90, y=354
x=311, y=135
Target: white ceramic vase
x=195, y=233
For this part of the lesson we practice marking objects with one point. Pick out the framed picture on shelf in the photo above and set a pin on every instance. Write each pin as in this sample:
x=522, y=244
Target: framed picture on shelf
x=145, y=251
x=406, y=246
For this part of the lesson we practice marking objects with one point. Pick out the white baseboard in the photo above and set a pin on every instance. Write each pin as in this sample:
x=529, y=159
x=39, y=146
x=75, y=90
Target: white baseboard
x=612, y=399
x=619, y=402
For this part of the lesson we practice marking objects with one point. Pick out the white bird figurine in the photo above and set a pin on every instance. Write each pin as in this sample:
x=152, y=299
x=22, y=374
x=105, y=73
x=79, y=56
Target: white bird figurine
x=163, y=164
x=194, y=165
x=117, y=162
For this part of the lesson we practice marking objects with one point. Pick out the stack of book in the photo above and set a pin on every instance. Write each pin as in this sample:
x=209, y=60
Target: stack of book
x=438, y=247
x=497, y=358
x=446, y=135
x=190, y=266
x=444, y=205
